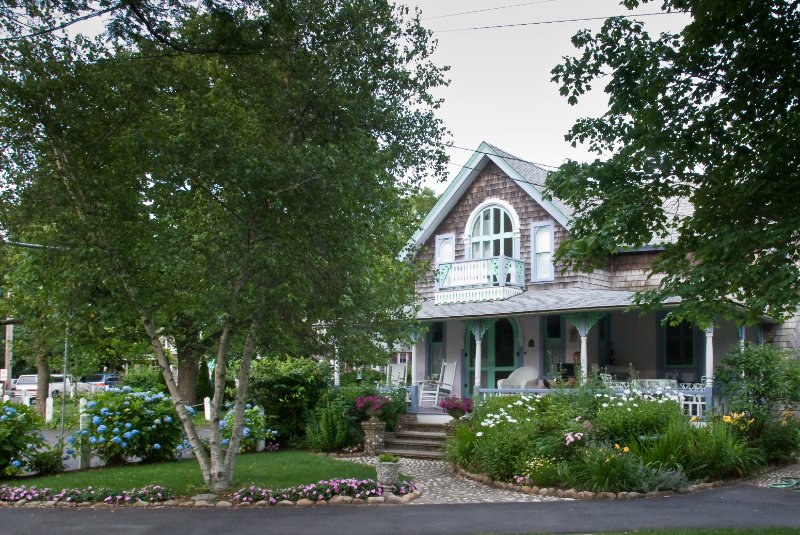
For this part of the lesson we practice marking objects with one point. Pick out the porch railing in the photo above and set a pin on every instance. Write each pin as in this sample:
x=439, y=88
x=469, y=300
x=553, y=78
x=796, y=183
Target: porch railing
x=486, y=279
x=696, y=399
x=485, y=272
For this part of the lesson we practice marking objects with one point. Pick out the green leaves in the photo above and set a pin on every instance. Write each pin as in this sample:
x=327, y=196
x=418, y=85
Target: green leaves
x=694, y=155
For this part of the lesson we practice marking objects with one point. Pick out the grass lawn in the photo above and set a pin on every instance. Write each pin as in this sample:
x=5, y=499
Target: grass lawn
x=274, y=470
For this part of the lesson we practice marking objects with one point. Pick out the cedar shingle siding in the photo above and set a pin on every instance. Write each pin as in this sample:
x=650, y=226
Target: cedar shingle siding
x=626, y=271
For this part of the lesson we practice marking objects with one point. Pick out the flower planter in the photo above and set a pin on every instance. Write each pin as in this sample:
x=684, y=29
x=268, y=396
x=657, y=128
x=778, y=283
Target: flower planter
x=387, y=474
x=455, y=413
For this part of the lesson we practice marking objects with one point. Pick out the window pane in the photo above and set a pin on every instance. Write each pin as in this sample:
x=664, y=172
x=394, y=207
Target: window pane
x=476, y=228
x=544, y=266
x=487, y=229
x=476, y=250
x=487, y=249
x=553, y=327
x=508, y=247
x=496, y=214
x=496, y=248
x=507, y=223
x=446, y=250
x=503, y=343
x=542, y=239
x=679, y=345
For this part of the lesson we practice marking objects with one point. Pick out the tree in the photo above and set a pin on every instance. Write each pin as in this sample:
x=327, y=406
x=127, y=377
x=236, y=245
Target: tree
x=706, y=119
x=230, y=164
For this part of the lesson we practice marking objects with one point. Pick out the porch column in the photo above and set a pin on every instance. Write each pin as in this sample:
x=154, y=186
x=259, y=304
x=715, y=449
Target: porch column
x=478, y=329
x=336, y=375
x=741, y=332
x=710, y=356
x=414, y=338
x=584, y=323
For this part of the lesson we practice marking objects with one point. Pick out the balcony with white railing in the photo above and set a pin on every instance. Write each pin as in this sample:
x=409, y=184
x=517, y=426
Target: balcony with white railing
x=486, y=279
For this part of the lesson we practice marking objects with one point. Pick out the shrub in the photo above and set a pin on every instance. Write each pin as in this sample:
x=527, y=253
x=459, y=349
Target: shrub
x=779, y=441
x=49, y=460
x=503, y=429
x=716, y=452
x=369, y=378
x=620, y=418
x=602, y=468
x=542, y=471
x=288, y=389
x=255, y=428
x=763, y=381
x=19, y=437
x=330, y=427
x=125, y=424
x=145, y=378
x=203, y=388
x=460, y=448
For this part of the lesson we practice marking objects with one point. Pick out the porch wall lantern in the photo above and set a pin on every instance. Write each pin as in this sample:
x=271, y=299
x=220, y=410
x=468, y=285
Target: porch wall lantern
x=530, y=343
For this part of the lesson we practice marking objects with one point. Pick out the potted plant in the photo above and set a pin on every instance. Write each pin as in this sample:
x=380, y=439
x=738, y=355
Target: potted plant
x=373, y=405
x=455, y=406
x=388, y=469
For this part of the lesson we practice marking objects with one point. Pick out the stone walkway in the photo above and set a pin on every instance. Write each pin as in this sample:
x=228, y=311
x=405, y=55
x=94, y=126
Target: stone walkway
x=440, y=485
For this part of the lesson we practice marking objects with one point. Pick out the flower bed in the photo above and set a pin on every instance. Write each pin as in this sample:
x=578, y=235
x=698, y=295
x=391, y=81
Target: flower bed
x=320, y=491
x=591, y=440
x=24, y=494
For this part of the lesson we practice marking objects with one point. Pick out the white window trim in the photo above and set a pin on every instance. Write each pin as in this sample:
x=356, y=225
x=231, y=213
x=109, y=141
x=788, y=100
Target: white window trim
x=534, y=228
x=467, y=237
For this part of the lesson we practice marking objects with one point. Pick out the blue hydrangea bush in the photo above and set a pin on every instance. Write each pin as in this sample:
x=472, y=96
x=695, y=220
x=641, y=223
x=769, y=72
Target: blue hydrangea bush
x=20, y=437
x=125, y=424
x=255, y=429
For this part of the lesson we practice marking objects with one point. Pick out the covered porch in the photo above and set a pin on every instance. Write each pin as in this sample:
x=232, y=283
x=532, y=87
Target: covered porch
x=551, y=336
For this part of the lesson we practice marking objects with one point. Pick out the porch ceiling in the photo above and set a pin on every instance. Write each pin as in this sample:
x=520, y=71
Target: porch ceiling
x=534, y=302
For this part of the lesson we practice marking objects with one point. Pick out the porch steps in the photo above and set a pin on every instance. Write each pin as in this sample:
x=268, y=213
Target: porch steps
x=416, y=440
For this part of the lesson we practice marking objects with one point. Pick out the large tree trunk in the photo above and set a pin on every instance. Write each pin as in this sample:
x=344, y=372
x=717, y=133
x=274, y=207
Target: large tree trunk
x=42, y=379
x=188, y=363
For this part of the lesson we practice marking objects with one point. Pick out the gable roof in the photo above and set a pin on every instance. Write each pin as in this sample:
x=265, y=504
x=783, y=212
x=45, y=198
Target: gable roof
x=528, y=176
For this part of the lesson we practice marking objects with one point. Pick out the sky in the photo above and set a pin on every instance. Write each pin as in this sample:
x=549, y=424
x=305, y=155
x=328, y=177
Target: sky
x=500, y=83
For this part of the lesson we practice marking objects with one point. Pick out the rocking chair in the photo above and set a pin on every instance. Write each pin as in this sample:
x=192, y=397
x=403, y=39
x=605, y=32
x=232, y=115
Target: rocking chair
x=431, y=391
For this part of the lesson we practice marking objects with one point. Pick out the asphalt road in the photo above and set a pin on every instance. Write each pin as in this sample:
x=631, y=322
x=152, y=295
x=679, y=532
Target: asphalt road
x=736, y=506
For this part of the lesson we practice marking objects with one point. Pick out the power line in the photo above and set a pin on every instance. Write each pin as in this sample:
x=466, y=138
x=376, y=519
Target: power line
x=63, y=25
x=517, y=180
x=509, y=157
x=560, y=21
x=487, y=9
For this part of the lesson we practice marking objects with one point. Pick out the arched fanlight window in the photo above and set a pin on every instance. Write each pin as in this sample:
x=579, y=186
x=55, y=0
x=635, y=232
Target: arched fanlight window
x=492, y=233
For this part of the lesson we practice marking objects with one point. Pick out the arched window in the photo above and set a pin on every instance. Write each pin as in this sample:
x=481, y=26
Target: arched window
x=492, y=233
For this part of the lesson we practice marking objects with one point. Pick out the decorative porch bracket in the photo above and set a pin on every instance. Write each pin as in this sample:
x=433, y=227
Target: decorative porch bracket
x=478, y=328
x=584, y=323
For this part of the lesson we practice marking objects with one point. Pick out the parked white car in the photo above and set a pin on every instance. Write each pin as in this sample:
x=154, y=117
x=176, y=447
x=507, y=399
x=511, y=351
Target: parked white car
x=25, y=385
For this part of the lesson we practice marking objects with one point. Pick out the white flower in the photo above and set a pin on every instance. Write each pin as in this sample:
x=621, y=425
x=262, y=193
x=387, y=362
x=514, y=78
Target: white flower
x=479, y=434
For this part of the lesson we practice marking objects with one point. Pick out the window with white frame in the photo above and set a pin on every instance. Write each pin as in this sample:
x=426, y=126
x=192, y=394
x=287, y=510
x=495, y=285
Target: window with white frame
x=542, y=252
x=492, y=233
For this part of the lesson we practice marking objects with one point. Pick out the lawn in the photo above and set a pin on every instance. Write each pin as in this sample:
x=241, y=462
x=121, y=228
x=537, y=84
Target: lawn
x=274, y=470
